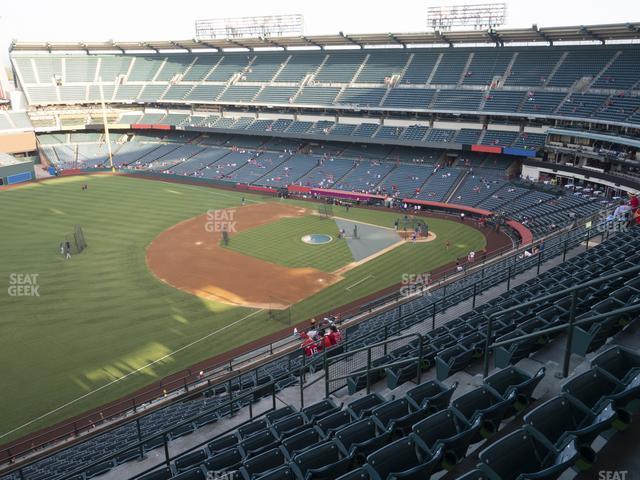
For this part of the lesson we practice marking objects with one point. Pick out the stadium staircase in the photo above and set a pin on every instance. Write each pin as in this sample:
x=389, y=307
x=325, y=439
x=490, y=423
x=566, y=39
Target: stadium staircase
x=507, y=72
x=555, y=68
x=463, y=74
x=435, y=68
x=605, y=68
x=452, y=191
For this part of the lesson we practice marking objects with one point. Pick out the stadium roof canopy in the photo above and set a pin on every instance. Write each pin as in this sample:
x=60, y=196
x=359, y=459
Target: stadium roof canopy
x=619, y=32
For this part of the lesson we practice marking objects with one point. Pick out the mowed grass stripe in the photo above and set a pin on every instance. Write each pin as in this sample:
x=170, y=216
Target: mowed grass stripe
x=281, y=242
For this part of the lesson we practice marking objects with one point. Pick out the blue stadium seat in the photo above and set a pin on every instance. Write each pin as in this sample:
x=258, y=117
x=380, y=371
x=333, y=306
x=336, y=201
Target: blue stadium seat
x=486, y=403
x=333, y=422
x=259, y=464
x=325, y=461
x=620, y=362
x=561, y=419
x=397, y=416
x=447, y=429
x=303, y=440
x=257, y=443
x=229, y=459
x=523, y=454
x=514, y=379
x=363, y=406
x=403, y=459
x=187, y=461
x=362, y=437
x=430, y=396
x=319, y=410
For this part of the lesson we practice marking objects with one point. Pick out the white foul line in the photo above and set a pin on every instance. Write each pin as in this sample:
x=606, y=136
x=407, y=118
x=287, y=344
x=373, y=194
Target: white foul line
x=137, y=370
x=357, y=283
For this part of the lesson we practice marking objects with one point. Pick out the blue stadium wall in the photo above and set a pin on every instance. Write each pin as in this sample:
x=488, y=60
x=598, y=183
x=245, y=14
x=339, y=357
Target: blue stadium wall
x=19, y=173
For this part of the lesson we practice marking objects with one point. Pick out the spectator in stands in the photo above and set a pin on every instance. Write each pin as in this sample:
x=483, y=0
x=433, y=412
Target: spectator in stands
x=633, y=202
x=325, y=341
x=636, y=216
x=462, y=216
x=313, y=330
x=623, y=212
x=335, y=334
x=308, y=346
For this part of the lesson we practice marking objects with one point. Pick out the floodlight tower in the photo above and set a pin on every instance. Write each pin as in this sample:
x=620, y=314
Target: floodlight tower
x=247, y=27
x=477, y=16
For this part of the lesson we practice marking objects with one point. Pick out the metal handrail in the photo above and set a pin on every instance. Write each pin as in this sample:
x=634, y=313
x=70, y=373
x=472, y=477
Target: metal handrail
x=337, y=358
x=563, y=326
x=552, y=296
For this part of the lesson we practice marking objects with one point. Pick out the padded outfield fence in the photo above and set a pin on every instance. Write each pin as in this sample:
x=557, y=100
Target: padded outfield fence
x=448, y=290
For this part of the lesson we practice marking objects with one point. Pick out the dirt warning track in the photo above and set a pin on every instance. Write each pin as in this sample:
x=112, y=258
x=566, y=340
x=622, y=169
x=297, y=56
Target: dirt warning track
x=188, y=256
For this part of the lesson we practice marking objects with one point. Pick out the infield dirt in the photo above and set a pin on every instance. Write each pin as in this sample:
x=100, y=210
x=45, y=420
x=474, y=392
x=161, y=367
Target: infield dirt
x=188, y=256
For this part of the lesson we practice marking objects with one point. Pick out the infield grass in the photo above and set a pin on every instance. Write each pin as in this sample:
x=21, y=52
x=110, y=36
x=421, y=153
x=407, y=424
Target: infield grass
x=281, y=242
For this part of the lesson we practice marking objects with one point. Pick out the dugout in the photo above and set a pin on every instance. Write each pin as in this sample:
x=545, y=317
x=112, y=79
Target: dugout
x=15, y=170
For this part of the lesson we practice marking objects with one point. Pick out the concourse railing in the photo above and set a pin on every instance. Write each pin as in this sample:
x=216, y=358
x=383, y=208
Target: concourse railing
x=568, y=327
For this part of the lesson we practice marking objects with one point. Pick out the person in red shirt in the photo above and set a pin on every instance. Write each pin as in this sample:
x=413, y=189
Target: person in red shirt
x=308, y=345
x=326, y=340
x=335, y=335
x=633, y=202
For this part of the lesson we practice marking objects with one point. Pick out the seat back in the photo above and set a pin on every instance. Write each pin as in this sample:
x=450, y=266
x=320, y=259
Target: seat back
x=302, y=440
x=363, y=406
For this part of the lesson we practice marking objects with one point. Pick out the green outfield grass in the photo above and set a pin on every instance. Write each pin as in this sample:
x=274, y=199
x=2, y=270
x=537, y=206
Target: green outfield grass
x=102, y=316
x=281, y=242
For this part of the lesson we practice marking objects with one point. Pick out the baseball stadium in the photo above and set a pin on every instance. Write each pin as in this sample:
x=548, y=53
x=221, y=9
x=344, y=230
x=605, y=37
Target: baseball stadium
x=267, y=254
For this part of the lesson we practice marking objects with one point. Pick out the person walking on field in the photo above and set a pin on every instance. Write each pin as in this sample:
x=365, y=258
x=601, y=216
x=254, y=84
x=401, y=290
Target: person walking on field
x=447, y=245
